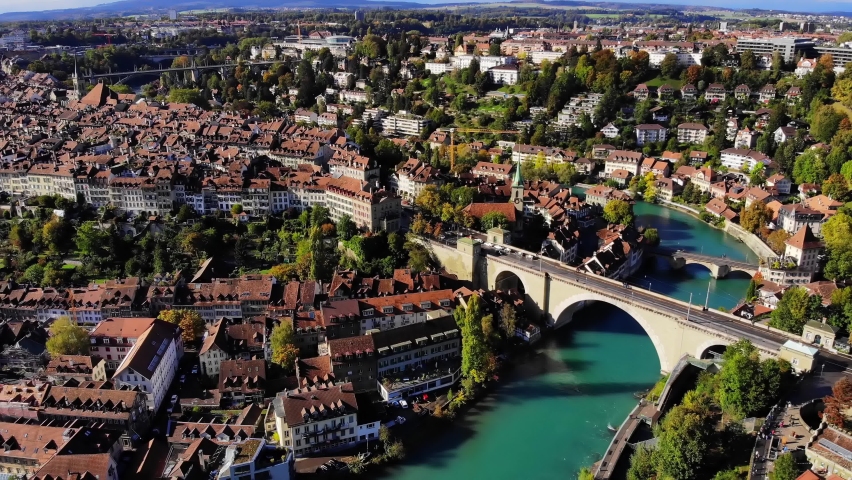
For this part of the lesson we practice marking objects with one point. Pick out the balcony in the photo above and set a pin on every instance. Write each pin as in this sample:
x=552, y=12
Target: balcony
x=395, y=386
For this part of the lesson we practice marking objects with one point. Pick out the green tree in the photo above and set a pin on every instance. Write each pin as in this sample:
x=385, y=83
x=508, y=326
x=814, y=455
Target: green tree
x=494, y=219
x=34, y=274
x=618, y=212
x=346, y=228
x=810, y=166
x=283, y=342
x=54, y=234
x=683, y=443
x=751, y=291
x=825, y=123
x=642, y=464
x=652, y=236
x=67, y=338
x=475, y=353
x=187, y=95
x=786, y=468
x=791, y=314
x=91, y=239
x=748, y=386
x=669, y=67
x=189, y=321
x=236, y=210
x=755, y=216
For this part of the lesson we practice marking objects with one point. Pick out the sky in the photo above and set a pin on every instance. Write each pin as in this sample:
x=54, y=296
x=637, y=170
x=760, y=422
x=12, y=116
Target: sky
x=815, y=6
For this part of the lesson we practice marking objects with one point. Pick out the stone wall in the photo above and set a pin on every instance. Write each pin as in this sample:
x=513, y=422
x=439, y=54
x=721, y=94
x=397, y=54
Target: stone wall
x=750, y=240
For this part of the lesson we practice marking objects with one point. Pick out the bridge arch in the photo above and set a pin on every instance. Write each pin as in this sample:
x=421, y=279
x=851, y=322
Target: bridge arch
x=711, y=349
x=563, y=314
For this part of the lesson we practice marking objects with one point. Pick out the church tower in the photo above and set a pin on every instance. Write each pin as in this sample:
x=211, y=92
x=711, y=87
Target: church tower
x=518, y=190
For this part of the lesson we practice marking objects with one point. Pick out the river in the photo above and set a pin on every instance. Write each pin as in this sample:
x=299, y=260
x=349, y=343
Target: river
x=549, y=416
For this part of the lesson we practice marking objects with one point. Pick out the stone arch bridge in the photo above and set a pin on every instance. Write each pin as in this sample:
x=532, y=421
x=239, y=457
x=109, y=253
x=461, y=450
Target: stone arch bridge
x=719, y=267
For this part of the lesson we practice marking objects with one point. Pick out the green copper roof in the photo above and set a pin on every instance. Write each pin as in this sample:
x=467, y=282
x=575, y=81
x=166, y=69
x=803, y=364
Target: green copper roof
x=518, y=179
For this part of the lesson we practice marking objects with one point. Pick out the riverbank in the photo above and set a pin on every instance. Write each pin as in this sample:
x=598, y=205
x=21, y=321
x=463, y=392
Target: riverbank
x=752, y=241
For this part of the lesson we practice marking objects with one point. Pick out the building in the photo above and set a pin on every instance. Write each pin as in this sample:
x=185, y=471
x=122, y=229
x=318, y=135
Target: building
x=312, y=419
x=650, y=132
x=800, y=262
x=113, y=338
x=715, y=93
x=741, y=159
x=793, y=217
x=782, y=134
x=504, y=74
x=404, y=124
x=82, y=368
x=410, y=179
x=214, y=349
x=746, y=139
x=800, y=356
x=790, y=48
x=819, y=334
x=88, y=454
x=780, y=183
x=242, y=381
x=418, y=358
x=369, y=208
x=254, y=459
x=609, y=131
x=353, y=360
x=623, y=160
x=152, y=362
x=641, y=92
x=841, y=55
x=123, y=410
x=691, y=133
x=28, y=447
x=499, y=171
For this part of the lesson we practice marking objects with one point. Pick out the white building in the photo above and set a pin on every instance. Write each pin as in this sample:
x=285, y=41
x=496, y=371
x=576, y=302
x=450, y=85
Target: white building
x=152, y=363
x=650, y=132
x=404, y=124
x=691, y=133
x=312, y=419
x=609, y=131
x=741, y=159
x=439, y=68
x=504, y=74
x=254, y=459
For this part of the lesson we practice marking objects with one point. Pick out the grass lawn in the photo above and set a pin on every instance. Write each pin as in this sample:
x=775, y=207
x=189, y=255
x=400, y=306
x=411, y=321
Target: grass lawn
x=69, y=267
x=602, y=15
x=500, y=109
x=658, y=81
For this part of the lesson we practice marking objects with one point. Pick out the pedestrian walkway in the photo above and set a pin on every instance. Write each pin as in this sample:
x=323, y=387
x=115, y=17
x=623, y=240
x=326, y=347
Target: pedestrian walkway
x=782, y=433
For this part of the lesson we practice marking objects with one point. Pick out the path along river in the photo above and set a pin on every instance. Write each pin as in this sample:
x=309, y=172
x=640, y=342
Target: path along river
x=549, y=417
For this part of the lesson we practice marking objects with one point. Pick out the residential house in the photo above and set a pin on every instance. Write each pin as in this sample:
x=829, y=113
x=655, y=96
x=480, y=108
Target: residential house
x=650, y=132
x=746, y=139
x=609, y=131
x=767, y=93
x=715, y=93
x=81, y=368
x=313, y=419
x=641, y=92
x=742, y=92
x=793, y=217
x=623, y=160
x=782, y=134
x=688, y=92
x=242, y=381
x=780, y=183
x=113, y=338
x=741, y=159
x=214, y=349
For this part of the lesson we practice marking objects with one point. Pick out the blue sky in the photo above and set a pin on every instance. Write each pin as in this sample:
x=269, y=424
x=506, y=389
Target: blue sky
x=30, y=6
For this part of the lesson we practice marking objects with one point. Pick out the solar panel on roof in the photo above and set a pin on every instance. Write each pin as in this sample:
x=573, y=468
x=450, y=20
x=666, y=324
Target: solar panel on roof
x=835, y=448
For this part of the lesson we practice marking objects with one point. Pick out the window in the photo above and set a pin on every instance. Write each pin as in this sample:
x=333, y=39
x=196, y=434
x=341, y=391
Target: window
x=106, y=341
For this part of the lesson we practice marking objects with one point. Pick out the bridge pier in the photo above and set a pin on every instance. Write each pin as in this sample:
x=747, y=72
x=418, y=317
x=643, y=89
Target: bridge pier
x=719, y=271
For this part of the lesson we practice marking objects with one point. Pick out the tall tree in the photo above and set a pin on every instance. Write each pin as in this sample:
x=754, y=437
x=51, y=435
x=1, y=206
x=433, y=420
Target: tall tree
x=618, y=212
x=755, y=216
x=283, y=342
x=475, y=361
x=189, y=321
x=791, y=314
x=67, y=338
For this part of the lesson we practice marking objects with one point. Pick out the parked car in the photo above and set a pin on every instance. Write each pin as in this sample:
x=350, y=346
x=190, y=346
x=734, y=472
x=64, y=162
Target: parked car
x=182, y=378
x=174, y=399
x=395, y=403
x=403, y=404
x=195, y=369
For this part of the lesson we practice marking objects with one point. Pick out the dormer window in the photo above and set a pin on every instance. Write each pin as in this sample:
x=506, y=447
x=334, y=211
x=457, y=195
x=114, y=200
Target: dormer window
x=106, y=341
x=426, y=304
x=407, y=307
x=445, y=303
x=387, y=309
x=368, y=312
x=93, y=340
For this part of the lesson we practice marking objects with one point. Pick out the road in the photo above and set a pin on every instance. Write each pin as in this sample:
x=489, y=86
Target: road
x=712, y=319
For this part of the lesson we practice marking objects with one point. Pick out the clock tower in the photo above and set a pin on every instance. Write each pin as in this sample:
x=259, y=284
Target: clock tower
x=518, y=191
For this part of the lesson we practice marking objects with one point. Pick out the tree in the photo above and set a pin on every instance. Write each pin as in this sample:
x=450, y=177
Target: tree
x=791, y=313
x=748, y=60
x=494, y=220
x=652, y=236
x=429, y=200
x=54, y=234
x=91, y=239
x=825, y=123
x=747, y=385
x=777, y=240
x=835, y=187
x=346, y=228
x=236, y=210
x=842, y=90
x=618, y=212
x=755, y=216
x=669, y=67
x=189, y=321
x=751, y=291
x=508, y=320
x=67, y=338
x=786, y=468
x=839, y=402
x=187, y=95
x=810, y=166
x=284, y=350
x=475, y=352
x=650, y=195
x=642, y=464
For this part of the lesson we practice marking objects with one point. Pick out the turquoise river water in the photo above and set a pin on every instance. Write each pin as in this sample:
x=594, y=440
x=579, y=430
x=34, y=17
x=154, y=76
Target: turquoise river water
x=549, y=416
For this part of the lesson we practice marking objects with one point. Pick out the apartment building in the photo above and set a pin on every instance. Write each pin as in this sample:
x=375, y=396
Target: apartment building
x=531, y=153
x=793, y=217
x=715, y=93
x=404, y=124
x=370, y=208
x=214, y=349
x=410, y=179
x=52, y=179
x=152, y=362
x=741, y=159
x=650, y=133
x=113, y=338
x=790, y=48
x=427, y=352
x=242, y=381
x=504, y=74
x=572, y=113
x=623, y=160
x=28, y=447
x=81, y=368
x=353, y=166
x=800, y=262
x=691, y=133
x=312, y=419
x=246, y=296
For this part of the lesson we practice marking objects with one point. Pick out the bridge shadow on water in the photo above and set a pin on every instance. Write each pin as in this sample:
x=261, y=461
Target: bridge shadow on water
x=557, y=368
